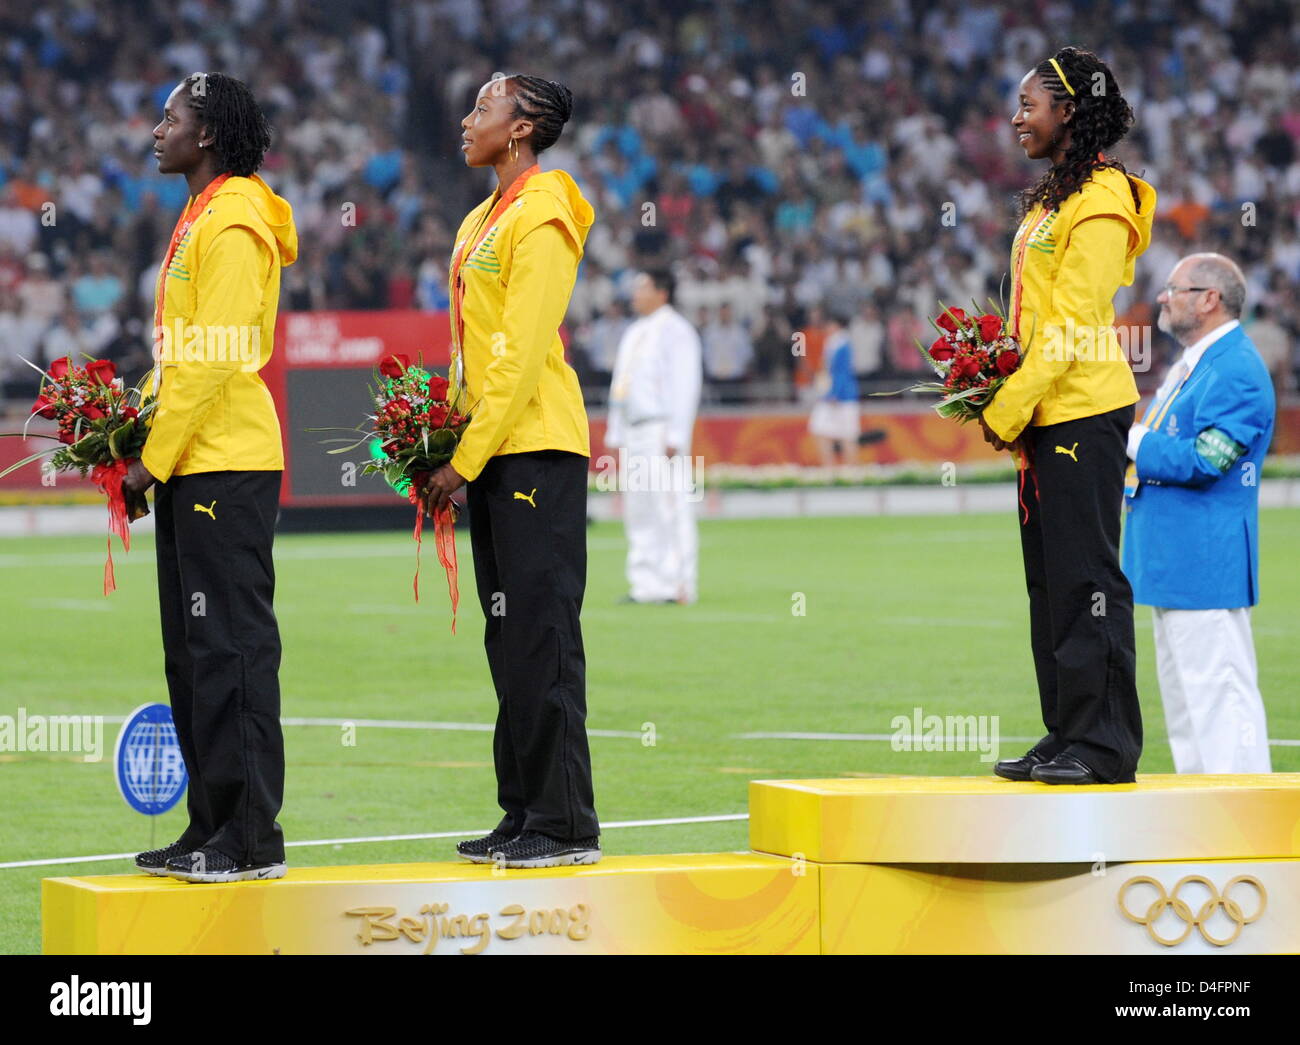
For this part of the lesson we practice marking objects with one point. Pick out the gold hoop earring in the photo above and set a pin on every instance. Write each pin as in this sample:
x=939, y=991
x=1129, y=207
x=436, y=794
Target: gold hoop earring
x=514, y=150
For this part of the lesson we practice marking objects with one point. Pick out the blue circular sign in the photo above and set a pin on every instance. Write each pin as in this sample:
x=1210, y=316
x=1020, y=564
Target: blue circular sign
x=149, y=767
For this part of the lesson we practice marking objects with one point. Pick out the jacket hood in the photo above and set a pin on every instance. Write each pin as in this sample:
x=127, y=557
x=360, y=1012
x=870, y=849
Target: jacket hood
x=1140, y=219
x=274, y=211
x=577, y=214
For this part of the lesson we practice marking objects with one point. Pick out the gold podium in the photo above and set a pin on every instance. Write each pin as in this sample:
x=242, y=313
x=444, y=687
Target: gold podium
x=905, y=865
x=724, y=903
x=965, y=865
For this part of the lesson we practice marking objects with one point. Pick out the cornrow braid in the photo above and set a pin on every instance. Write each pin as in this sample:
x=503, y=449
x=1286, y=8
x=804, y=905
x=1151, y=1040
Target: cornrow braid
x=548, y=103
x=238, y=126
x=1101, y=118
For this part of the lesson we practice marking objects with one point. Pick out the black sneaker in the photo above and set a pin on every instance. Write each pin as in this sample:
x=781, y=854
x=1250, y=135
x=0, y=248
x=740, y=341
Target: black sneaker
x=155, y=860
x=533, y=849
x=480, y=850
x=212, y=865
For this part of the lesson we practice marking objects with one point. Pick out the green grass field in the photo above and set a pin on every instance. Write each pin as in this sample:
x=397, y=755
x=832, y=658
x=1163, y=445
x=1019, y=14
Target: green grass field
x=885, y=630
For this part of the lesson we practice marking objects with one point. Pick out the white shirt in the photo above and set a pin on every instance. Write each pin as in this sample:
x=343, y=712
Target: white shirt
x=657, y=377
x=1183, y=368
x=729, y=350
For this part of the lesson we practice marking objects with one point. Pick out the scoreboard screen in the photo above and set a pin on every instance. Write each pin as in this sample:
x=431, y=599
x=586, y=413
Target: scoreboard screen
x=320, y=376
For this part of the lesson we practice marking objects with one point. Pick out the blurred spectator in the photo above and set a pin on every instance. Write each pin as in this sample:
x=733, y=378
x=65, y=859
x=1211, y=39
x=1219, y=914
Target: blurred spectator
x=18, y=224
x=1275, y=348
x=774, y=355
x=11, y=267
x=21, y=335
x=809, y=362
x=69, y=337
x=728, y=353
x=867, y=338
x=599, y=341
x=42, y=297
x=835, y=418
x=98, y=290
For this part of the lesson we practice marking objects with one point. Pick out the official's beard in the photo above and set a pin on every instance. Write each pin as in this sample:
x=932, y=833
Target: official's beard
x=1166, y=324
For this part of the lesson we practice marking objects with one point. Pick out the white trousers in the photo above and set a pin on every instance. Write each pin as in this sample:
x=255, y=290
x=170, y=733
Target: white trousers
x=662, y=537
x=1209, y=684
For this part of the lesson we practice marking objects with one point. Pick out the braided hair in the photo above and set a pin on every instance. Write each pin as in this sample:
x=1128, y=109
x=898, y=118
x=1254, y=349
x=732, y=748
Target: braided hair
x=238, y=126
x=548, y=103
x=1101, y=118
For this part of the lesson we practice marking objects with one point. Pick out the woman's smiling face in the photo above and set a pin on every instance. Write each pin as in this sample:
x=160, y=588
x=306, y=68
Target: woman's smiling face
x=486, y=129
x=1039, y=126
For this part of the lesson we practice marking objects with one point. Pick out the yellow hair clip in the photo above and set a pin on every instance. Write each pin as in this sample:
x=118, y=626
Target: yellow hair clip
x=1057, y=66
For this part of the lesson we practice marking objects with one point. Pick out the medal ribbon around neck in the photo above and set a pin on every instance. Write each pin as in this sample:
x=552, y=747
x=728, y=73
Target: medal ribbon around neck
x=188, y=216
x=467, y=248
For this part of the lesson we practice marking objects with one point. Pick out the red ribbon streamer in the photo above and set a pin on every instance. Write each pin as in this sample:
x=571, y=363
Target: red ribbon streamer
x=444, y=534
x=444, y=530
x=417, y=533
x=108, y=477
x=1023, y=465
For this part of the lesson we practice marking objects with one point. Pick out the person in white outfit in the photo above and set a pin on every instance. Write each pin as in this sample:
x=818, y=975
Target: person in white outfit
x=654, y=397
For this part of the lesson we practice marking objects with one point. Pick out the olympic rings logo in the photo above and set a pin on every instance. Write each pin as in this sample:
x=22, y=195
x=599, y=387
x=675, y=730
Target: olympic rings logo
x=1183, y=910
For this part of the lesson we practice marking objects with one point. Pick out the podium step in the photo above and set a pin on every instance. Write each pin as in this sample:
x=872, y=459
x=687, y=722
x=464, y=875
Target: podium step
x=985, y=820
x=919, y=865
x=1172, y=907
x=722, y=903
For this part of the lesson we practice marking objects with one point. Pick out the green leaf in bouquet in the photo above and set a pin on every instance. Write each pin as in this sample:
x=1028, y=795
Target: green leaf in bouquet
x=120, y=440
x=1001, y=305
x=91, y=448
x=923, y=386
x=352, y=443
x=442, y=443
x=956, y=411
x=394, y=472
x=967, y=393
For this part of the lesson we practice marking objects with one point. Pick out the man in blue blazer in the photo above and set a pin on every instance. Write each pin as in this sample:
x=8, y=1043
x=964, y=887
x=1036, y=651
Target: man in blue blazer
x=1191, y=540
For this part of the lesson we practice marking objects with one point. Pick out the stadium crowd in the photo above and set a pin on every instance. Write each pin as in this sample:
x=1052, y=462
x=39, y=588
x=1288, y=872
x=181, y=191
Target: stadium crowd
x=792, y=161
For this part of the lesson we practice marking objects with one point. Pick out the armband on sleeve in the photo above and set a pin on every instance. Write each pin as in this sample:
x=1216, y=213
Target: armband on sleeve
x=1218, y=448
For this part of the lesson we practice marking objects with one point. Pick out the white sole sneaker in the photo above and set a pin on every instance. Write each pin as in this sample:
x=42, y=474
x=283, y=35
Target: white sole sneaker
x=568, y=859
x=244, y=874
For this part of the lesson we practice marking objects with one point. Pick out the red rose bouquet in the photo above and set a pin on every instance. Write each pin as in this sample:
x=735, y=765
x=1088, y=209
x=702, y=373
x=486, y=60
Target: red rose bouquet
x=973, y=355
x=414, y=430
x=102, y=426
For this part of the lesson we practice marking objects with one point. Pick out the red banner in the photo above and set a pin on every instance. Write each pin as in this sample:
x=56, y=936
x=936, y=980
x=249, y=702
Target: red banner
x=910, y=434
x=360, y=339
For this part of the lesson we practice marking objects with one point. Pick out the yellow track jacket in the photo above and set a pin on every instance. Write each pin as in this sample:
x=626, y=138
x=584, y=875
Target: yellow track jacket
x=1071, y=262
x=523, y=395
x=220, y=297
